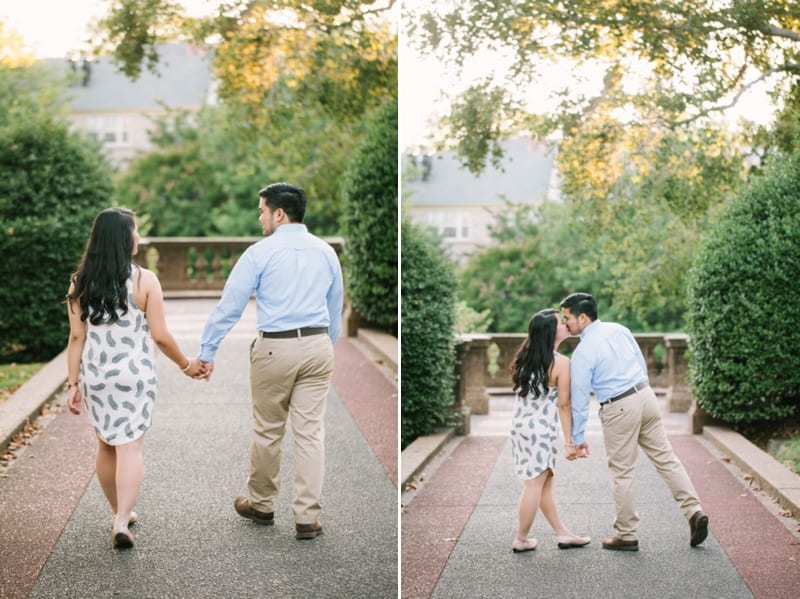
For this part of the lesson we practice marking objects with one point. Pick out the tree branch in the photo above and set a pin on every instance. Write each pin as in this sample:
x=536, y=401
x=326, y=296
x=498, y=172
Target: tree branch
x=780, y=32
x=786, y=68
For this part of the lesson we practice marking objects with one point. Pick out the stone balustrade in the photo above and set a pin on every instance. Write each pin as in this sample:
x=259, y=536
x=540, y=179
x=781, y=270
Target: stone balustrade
x=198, y=265
x=665, y=355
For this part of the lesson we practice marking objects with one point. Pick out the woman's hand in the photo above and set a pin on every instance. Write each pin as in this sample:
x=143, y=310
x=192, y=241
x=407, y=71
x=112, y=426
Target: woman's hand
x=74, y=399
x=571, y=452
x=195, y=370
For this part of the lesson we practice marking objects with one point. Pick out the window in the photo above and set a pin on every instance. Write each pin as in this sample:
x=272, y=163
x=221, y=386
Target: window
x=111, y=130
x=450, y=225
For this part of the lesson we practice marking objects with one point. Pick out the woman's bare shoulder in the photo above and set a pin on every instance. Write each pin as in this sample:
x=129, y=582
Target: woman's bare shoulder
x=561, y=360
x=146, y=276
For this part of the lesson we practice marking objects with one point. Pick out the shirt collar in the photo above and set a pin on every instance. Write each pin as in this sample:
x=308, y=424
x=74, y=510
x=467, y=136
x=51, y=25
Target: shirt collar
x=291, y=228
x=590, y=328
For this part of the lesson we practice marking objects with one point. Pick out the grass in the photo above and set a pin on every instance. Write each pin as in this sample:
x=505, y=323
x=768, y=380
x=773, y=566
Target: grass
x=789, y=454
x=13, y=376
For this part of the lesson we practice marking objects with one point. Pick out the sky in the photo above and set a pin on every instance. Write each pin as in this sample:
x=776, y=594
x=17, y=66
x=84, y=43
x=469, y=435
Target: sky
x=55, y=28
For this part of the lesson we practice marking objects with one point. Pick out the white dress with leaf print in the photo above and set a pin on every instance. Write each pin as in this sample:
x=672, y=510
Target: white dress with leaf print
x=534, y=433
x=118, y=375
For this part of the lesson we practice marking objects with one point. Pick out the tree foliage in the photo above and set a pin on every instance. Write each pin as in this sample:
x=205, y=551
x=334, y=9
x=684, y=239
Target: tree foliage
x=427, y=342
x=297, y=82
x=370, y=209
x=645, y=165
x=745, y=369
x=670, y=62
x=54, y=184
x=27, y=89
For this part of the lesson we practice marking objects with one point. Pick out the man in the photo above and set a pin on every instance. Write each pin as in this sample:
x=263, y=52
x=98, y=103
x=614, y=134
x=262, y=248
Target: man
x=297, y=281
x=609, y=361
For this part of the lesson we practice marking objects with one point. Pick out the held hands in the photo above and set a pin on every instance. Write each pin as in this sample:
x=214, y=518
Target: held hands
x=576, y=451
x=196, y=369
x=208, y=368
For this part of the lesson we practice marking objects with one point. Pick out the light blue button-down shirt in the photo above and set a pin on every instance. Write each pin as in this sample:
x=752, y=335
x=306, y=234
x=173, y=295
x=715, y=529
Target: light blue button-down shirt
x=607, y=360
x=297, y=280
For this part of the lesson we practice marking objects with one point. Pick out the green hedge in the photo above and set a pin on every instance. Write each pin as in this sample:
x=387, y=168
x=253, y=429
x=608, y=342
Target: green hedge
x=743, y=293
x=54, y=183
x=427, y=312
x=370, y=222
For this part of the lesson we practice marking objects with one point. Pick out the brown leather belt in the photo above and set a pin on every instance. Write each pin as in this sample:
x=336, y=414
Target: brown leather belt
x=304, y=332
x=630, y=391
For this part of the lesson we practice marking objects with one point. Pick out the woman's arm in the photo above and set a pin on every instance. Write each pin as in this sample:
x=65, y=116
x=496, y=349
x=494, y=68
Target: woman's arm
x=77, y=339
x=156, y=320
x=561, y=372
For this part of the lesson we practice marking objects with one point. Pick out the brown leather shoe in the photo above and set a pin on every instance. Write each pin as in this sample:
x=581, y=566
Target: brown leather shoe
x=308, y=531
x=698, y=528
x=245, y=510
x=620, y=545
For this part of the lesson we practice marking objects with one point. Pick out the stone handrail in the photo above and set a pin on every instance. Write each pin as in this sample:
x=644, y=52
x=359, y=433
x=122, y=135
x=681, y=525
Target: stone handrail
x=474, y=377
x=198, y=265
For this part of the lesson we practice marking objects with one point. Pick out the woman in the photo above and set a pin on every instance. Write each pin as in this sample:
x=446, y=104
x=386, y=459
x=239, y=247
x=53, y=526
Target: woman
x=116, y=311
x=541, y=377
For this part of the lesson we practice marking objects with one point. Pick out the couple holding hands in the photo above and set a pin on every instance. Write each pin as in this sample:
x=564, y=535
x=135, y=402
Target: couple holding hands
x=549, y=387
x=116, y=317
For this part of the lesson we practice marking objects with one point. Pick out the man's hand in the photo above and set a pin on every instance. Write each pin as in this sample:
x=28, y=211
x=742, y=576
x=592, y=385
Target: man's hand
x=206, y=369
x=583, y=450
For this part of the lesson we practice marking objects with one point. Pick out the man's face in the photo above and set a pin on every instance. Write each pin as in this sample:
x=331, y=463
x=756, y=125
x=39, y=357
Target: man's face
x=266, y=217
x=574, y=323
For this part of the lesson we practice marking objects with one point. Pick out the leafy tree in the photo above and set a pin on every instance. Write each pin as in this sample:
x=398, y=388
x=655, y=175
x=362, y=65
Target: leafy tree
x=27, y=88
x=744, y=368
x=370, y=191
x=174, y=187
x=671, y=63
x=537, y=258
x=644, y=166
x=297, y=80
x=54, y=184
x=427, y=343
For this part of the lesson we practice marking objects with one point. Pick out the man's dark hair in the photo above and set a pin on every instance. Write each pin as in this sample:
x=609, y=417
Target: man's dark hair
x=289, y=197
x=580, y=303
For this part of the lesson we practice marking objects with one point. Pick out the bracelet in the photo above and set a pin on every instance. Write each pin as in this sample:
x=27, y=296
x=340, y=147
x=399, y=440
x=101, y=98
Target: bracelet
x=70, y=385
x=570, y=444
x=188, y=366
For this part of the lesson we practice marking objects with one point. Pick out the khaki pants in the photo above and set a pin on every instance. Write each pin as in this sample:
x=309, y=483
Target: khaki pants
x=628, y=424
x=289, y=378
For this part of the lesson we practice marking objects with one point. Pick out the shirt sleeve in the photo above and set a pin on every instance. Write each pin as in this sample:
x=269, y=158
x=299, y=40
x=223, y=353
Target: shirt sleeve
x=241, y=284
x=335, y=301
x=580, y=386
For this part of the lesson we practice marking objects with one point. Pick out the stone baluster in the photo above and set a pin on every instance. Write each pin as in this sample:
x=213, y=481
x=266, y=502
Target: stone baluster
x=471, y=372
x=679, y=395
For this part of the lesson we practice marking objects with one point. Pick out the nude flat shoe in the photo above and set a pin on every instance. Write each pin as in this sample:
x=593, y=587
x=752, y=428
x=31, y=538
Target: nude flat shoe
x=571, y=541
x=521, y=546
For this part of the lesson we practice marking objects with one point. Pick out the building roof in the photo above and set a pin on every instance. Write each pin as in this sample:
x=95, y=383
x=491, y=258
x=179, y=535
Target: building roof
x=524, y=177
x=182, y=80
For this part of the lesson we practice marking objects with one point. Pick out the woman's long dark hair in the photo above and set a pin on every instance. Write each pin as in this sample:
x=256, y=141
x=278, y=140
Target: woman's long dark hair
x=105, y=267
x=530, y=369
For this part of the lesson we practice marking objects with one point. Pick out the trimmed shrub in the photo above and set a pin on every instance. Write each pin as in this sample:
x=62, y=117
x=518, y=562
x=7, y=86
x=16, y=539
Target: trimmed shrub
x=428, y=313
x=370, y=222
x=54, y=183
x=745, y=364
